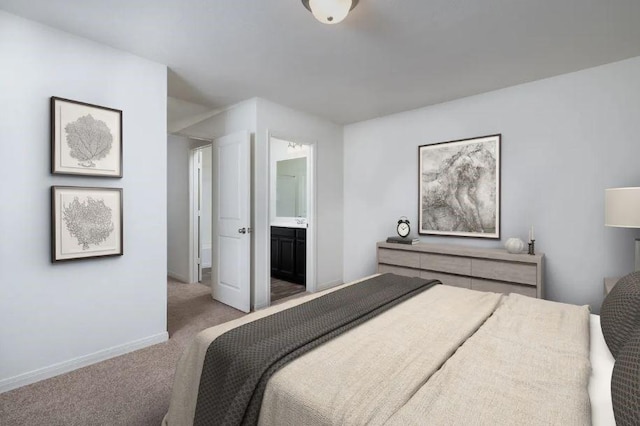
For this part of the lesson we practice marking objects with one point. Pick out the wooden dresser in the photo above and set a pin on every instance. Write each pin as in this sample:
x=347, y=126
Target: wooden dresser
x=475, y=268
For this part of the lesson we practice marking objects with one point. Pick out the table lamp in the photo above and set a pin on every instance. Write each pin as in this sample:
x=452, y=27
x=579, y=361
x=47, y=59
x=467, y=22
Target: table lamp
x=622, y=210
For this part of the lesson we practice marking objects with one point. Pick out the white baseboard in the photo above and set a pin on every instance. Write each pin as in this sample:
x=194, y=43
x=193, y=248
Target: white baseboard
x=177, y=276
x=260, y=306
x=330, y=284
x=75, y=363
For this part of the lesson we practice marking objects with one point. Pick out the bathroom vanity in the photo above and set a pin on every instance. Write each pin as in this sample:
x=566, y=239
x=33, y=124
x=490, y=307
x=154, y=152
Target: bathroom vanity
x=289, y=253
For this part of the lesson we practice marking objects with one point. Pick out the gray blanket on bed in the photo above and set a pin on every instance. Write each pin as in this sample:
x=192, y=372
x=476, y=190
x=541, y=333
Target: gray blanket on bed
x=239, y=363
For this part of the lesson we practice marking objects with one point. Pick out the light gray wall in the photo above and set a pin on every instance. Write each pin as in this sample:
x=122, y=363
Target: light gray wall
x=565, y=139
x=236, y=118
x=55, y=317
x=178, y=152
x=180, y=112
x=178, y=207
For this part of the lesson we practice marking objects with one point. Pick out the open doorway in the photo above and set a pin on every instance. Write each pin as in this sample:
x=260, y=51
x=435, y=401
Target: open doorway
x=200, y=190
x=209, y=215
x=291, y=204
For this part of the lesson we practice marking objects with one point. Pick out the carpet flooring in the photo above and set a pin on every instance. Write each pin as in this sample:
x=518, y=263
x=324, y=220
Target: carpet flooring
x=129, y=390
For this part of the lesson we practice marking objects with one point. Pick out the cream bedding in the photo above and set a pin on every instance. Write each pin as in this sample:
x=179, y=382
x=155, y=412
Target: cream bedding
x=367, y=374
x=184, y=392
x=527, y=365
x=429, y=322
x=397, y=367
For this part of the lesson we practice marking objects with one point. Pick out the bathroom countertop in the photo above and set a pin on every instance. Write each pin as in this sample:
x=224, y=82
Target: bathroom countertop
x=292, y=224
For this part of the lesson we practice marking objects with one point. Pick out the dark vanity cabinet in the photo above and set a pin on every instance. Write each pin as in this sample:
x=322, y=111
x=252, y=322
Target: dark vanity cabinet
x=289, y=254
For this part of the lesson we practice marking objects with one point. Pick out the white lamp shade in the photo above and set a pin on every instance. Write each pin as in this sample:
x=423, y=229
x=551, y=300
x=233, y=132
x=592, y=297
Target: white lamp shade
x=622, y=207
x=330, y=11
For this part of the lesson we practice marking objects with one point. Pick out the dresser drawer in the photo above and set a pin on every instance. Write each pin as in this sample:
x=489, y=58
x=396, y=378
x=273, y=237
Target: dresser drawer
x=398, y=270
x=443, y=263
x=499, y=287
x=447, y=279
x=522, y=273
x=399, y=258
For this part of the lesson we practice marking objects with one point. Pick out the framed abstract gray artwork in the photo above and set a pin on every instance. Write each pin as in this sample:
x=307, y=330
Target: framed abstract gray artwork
x=85, y=222
x=86, y=139
x=460, y=188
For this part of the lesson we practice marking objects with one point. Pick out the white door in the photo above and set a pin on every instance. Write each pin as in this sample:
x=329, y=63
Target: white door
x=231, y=250
x=199, y=210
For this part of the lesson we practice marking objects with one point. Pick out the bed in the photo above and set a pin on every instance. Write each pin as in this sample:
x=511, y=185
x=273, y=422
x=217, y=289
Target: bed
x=445, y=356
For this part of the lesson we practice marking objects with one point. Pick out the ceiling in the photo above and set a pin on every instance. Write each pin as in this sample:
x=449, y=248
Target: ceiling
x=387, y=56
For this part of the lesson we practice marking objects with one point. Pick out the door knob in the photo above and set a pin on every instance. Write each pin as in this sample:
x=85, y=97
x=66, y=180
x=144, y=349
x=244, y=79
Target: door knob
x=242, y=230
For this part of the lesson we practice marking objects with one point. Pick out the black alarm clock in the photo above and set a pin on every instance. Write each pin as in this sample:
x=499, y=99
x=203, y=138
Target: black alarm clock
x=403, y=227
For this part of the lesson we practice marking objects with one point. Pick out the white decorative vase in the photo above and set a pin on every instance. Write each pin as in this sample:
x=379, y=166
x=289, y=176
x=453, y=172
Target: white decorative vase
x=514, y=245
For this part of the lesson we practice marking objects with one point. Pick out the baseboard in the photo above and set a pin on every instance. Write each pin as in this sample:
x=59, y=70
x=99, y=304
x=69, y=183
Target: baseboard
x=328, y=285
x=177, y=276
x=75, y=363
x=260, y=306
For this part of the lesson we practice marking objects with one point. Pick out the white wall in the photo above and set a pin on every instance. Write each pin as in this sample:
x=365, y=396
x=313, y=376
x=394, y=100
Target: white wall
x=181, y=113
x=298, y=126
x=178, y=207
x=236, y=118
x=565, y=139
x=178, y=152
x=55, y=317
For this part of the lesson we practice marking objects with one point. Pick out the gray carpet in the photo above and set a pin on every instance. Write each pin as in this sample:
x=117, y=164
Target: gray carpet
x=132, y=389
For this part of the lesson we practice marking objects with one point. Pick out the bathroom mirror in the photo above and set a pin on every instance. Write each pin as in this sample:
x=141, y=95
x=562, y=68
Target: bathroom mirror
x=291, y=188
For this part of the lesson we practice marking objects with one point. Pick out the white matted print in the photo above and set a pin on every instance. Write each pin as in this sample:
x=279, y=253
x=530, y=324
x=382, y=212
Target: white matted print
x=460, y=188
x=85, y=222
x=85, y=139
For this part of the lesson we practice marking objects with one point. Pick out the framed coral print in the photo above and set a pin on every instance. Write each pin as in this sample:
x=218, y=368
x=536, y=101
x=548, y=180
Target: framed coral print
x=85, y=222
x=86, y=139
x=460, y=188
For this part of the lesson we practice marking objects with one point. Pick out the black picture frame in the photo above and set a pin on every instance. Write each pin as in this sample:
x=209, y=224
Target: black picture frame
x=86, y=139
x=71, y=237
x=459, y=188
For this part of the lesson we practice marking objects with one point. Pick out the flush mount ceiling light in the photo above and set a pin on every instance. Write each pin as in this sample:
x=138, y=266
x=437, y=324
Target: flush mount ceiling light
x=330, y=11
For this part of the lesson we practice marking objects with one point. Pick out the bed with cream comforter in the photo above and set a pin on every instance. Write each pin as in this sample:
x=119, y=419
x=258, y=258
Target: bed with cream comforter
x=447, y=356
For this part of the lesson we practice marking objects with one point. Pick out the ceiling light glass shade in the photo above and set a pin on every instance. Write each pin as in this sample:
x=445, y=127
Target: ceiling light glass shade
x=330, y=11
x=622, y=207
